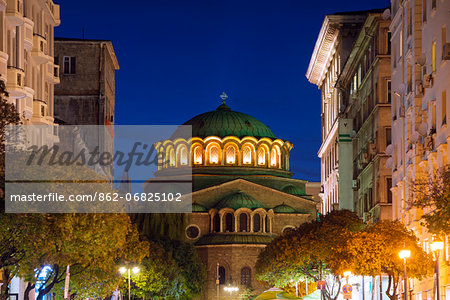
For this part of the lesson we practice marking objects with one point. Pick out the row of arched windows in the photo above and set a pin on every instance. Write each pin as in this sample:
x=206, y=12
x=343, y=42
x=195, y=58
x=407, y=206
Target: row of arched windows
x=250, y=152
x=240, y=222
x=231, y=155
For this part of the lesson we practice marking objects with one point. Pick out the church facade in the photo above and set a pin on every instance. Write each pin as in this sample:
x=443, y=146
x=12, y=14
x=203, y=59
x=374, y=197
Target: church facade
x=243, y=194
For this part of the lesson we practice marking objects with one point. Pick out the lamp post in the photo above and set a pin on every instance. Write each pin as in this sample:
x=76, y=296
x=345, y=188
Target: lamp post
x=436, y=247
x=135, y=270
x=347, y=274
x=231, y=289
x=404, y=254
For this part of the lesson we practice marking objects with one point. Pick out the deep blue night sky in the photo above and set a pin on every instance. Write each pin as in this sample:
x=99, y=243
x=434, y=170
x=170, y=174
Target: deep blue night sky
x=177, y=56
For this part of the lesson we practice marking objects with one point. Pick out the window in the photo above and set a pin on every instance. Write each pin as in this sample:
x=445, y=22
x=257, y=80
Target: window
x=183, y=156
x=267, y=224
x=388, y=42
x=433, y=4
x=192, y=231
x=424, y=11
x=444, y=107
x=229, y=222
x=433, y=57
x=221, y=275
x=388, y=189
x=198, y=155
x=243, y=222
x=247, y=155
x=389, y=96
x=261, y=156
x=230, y=155
x=274, y=157
x=214, y=155
x=444, y=37
x=256, y=223
x=70, y=64
x=388, y=136
x=216, y=223
x=246, y=276
x=171, y=158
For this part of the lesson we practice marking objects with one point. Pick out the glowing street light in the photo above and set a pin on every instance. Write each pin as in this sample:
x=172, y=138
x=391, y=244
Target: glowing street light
x=231, y=289
x=404, y=254
x=135, y=270
x=436, y=246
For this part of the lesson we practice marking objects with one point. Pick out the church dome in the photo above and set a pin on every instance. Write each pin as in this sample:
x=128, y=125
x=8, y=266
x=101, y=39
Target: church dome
x=283, y=208
x=293, y=190
x=237, y=200
x=198, y=208
x=224, y=122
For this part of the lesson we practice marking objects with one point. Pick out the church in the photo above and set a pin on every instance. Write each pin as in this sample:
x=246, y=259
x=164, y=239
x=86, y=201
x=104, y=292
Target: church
x=243, y=194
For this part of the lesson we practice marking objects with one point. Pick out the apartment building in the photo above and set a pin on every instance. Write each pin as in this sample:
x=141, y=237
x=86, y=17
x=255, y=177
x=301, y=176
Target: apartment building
x=26, y=57
x=365, y=84
x=333, y=47
x=420, y=68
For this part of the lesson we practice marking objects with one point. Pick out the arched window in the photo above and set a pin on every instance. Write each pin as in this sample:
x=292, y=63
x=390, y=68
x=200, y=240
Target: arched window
x=221, y=275
x=229, y=222
x=216, y=223
x=183, y=156
x=198, y=155
x=288, y=230
x=171, y=158
x=246, y=155
x=214, y=155
x=261, y=156
x=230, y=155
x=274, y=157
x=256, y=223
x=243, y=222
x=246, y=276
x=267, y=221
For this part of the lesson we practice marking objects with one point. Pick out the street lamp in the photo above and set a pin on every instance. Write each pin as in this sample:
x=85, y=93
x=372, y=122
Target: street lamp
x=231, y=289
x=347, y=274
x=436, y=246
x=404, y=254
x=135, y=270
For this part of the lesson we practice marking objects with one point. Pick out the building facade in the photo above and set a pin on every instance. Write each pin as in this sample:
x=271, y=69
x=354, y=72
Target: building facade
x=243, y=194
x=365, y=84
x=420, y=81
x=332, y=49
x=86, y=94
x=27, y=57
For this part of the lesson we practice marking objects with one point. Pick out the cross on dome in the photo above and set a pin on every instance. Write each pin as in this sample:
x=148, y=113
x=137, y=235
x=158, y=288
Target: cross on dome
x=224, y=97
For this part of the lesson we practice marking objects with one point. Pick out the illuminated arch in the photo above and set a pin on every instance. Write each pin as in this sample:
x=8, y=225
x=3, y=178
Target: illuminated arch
x=197, y=155
x=182, y=155
x=248, y=154
x=275, y=157
x=213, y=154
x=230, y=154
x=262, y=154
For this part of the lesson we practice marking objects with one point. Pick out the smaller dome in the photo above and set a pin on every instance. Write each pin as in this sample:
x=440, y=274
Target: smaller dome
x=283, y=208
x=293, y=190
x=237, y=200
x=198, y=208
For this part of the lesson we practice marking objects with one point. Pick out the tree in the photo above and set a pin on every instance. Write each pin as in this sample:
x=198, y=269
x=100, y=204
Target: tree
x=375, y=251
x=433, y=194
x=91, y=244
x=315, y=250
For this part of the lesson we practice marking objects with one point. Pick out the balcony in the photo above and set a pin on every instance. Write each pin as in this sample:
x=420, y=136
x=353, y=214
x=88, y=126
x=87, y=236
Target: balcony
x=28, y=34
x=15, y=82
x=14, y=12
x=53, y=10
x=39, y=46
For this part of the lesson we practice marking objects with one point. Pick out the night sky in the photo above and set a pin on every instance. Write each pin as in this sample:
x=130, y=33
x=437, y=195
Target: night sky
x=176, y=58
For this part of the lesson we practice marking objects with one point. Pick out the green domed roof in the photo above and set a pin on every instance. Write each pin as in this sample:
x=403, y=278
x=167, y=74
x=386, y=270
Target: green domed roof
x=293, y=190
x=238, y=200
x=224, y=122
x=198, y=208
x=283, y=208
